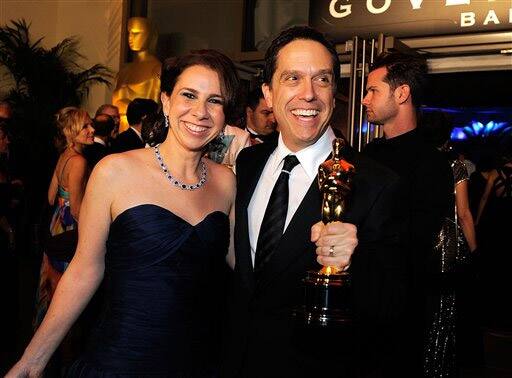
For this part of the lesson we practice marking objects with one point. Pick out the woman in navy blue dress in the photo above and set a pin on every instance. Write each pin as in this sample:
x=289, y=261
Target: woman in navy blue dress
x=154, y=225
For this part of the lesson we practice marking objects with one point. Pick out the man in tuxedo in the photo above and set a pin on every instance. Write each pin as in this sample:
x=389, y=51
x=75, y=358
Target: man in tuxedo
x=262, y=338
x=261, y=123
x=131, y=139
x=104, y=127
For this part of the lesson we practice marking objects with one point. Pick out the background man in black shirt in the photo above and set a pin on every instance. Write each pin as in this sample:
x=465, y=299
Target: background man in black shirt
x=394, y=92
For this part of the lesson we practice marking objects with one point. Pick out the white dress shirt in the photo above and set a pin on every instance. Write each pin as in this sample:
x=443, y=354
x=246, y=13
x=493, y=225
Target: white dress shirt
x=100, y=141
x=299, y=182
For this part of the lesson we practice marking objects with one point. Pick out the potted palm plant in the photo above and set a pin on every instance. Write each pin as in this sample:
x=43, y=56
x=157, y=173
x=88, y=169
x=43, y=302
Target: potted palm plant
x=42, y=81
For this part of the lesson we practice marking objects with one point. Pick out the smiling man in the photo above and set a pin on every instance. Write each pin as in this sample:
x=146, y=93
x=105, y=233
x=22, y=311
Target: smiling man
x=279, y=237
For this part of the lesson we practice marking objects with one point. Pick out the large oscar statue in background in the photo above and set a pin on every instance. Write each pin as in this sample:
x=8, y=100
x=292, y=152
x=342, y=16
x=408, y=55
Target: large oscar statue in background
x=140, y=78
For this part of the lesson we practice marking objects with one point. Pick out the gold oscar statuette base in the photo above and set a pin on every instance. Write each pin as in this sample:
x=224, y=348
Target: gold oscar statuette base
x=327, y=299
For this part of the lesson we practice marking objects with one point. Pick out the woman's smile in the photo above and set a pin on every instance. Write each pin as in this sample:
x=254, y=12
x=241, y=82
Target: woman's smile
x=195, y=128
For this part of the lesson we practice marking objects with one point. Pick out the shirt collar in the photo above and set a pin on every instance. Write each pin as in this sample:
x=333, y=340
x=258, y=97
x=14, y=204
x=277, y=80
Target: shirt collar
x=136, y=132
x=251, y=131
x=309, y=158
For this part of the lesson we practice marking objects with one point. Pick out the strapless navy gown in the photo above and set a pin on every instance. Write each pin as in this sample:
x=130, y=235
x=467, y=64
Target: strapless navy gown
x=162, y=297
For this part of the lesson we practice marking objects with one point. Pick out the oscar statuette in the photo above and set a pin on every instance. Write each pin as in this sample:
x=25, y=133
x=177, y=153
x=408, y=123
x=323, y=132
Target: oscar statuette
x=327, y=297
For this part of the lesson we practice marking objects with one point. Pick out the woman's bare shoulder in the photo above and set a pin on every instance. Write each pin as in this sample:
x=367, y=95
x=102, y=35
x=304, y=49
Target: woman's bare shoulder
x=223, y=175
x=72, y=166
x=119, y=166
x=128, y=160
x=76, y=160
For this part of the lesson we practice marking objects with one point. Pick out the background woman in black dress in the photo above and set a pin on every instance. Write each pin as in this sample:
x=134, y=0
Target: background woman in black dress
x=453, y=245
x=154, y=222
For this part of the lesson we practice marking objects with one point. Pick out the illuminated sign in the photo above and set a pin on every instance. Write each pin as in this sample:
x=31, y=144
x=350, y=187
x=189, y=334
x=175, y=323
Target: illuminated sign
x=342, y=19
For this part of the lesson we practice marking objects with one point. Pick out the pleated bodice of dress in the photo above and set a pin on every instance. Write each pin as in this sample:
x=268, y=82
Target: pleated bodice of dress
x=162, y=296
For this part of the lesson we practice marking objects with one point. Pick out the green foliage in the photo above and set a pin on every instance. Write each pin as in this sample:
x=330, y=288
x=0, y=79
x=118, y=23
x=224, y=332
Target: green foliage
x=45, y=80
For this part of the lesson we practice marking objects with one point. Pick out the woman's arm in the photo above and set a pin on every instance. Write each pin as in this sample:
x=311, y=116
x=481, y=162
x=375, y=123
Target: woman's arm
x=485, y=195
x=79, y=281
x=230, y=257
x=464, y=214
x=230, y=181
x=77, y=180
x=52, y=189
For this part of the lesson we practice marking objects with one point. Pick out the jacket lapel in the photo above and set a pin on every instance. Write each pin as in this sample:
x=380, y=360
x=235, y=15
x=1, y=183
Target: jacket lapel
x=246, y=184
x=253, y=172
x=296, y=240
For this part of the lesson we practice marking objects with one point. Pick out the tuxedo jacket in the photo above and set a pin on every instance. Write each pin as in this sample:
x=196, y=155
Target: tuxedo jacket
x=262, y=339
x=126, y=141
x=94, y=153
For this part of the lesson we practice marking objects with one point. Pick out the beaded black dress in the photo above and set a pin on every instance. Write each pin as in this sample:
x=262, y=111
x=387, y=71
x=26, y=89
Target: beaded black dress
x=162, y=297
x=450, y=251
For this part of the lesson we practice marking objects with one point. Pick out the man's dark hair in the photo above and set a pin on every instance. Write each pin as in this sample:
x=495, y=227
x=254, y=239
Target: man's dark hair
x=290, y=35
x=103, y=125
x=404, y=69
x=139, y=108
x=253, y=98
